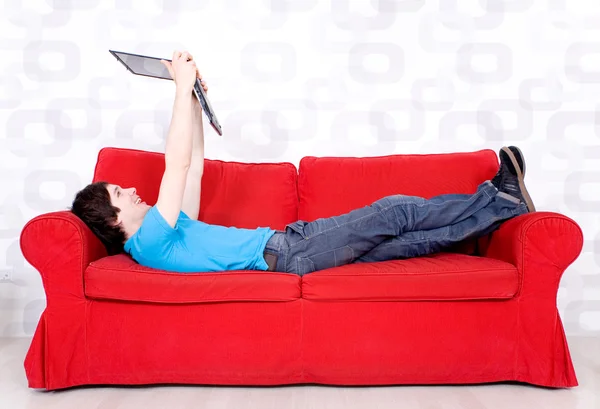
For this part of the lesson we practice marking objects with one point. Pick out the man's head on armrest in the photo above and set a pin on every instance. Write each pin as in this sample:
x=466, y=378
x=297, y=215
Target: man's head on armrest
x=112, y=213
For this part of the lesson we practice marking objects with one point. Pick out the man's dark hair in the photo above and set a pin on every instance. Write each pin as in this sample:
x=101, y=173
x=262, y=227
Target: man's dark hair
x=92, y=205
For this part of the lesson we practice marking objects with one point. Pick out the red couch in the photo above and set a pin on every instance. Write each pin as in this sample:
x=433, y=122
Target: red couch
x=472, y=315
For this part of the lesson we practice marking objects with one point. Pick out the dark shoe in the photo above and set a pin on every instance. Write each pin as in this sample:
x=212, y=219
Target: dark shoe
x=498, y=178
x=518, y=156
x=510, y=178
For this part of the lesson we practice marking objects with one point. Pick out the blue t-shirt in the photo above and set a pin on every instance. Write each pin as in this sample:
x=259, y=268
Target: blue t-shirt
x=195, y=246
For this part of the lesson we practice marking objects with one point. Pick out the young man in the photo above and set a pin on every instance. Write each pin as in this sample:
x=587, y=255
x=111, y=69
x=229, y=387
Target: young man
x=167, y=236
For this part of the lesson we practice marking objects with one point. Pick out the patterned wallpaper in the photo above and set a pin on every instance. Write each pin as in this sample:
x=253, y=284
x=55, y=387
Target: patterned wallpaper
x=294, y=78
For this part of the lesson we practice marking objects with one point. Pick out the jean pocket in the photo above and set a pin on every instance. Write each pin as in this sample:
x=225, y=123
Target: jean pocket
x=298, y=227
x=327, y=259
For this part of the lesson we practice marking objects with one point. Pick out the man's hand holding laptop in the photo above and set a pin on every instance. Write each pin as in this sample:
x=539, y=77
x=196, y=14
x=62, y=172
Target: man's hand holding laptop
x=184, y=72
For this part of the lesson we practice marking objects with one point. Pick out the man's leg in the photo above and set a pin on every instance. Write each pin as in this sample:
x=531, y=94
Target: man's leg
x=339, y=240
x=423, y=242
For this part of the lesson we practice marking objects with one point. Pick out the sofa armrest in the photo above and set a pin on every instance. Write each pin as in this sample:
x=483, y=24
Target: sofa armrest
x=541, y=245
x=60, y=246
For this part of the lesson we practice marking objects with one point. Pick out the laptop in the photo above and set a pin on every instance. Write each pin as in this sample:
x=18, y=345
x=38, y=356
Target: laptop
x=152, y=67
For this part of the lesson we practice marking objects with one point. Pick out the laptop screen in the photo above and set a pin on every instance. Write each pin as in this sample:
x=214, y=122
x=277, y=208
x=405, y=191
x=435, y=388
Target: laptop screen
x=143, y=65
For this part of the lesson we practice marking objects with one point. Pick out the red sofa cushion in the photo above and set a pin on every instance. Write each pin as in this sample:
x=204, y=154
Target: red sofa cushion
x=121, y=278
x=245, y=195
x=330, y=186
x=442, y=276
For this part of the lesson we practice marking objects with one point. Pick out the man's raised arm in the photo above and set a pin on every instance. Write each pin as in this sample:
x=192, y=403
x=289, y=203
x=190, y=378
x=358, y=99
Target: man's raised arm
x=178, y=149
x=193, y=184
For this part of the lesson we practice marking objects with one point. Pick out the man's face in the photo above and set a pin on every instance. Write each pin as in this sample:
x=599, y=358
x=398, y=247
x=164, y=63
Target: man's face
x=133, y=209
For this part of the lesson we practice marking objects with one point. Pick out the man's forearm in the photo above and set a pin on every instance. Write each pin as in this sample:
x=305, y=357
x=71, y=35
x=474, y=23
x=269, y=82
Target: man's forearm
x=197, y=163
x=178, y=148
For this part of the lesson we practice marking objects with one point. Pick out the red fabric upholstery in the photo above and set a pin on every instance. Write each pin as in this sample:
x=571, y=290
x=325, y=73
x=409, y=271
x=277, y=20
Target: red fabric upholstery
x=236, y=194
x=60, y=246
x=436, y=278
x=444, y=318
x=541, y=245
x=121, y=278
x=331, y=186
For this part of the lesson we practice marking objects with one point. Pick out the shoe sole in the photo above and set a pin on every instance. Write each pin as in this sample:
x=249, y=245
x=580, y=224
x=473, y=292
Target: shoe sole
x=522, y=157
x=520, y=177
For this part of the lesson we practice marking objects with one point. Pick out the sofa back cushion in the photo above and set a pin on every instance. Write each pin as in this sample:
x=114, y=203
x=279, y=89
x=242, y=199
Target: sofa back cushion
x=244, y=195
x=330, y=186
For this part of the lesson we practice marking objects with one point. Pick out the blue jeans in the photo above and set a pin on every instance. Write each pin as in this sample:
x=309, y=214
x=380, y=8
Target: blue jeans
x=393, y=227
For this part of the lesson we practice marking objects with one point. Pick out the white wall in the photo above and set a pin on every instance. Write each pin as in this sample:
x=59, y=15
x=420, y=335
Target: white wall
x=295, y=78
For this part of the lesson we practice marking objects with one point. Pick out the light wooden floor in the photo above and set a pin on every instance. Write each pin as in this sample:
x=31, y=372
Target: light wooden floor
x=14, y=393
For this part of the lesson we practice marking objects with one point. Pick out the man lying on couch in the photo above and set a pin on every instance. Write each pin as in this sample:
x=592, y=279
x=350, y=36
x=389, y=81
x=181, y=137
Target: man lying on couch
x=167, y=236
